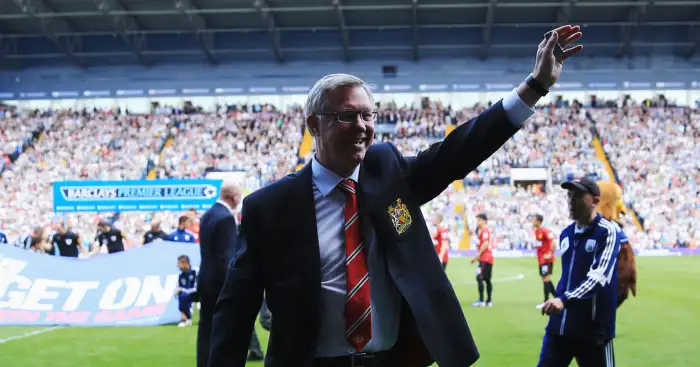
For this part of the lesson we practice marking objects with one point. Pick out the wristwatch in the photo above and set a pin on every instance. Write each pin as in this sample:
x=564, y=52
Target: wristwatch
x=538, y=87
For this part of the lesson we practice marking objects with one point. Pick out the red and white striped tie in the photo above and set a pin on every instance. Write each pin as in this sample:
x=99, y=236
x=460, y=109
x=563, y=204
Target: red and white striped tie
x=358, y=311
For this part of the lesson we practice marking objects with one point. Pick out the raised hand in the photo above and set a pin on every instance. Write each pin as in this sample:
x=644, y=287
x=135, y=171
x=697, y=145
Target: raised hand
x=547, y=66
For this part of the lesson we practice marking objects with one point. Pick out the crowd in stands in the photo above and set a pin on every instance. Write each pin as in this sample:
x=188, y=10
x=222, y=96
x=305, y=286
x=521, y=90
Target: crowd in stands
x=509, y=210
x=556, y=138
x=652, y=149
x=264, y=144
x=15, y=135
x=75, y=145
x=655, y=153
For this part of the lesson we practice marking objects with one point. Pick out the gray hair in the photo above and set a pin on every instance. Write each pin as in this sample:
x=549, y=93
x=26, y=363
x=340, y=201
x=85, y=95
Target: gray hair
x=228, y=187
x=316, y=101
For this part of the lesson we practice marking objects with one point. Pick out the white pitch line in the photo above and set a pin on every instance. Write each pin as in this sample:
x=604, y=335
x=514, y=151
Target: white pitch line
x=501, y=280
x=29, y=334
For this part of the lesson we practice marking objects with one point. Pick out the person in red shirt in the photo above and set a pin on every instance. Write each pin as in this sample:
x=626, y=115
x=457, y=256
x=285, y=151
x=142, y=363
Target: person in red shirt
x=485, y=259
x=194, y=223
x=545, y=254
x=441, y=240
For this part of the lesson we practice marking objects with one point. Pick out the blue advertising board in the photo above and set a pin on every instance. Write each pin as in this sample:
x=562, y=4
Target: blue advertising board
x=416, y=84
x=131, y=288
x=137, y=195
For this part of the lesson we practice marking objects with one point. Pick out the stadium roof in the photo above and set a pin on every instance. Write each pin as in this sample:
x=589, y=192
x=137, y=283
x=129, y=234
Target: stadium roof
x=142, y=30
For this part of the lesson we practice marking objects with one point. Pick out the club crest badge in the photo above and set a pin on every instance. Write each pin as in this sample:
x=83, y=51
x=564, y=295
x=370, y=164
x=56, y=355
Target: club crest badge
x=590, y=245
x=400, y=216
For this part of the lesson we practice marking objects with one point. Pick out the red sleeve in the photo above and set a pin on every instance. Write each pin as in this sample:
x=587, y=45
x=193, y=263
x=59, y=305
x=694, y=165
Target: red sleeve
x=550, y=235
x=485, y=235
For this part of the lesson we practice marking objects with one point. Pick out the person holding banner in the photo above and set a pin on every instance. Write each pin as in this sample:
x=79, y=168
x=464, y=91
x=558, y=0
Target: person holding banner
x=39, y=245
x=154, y=234
x=110, y=239
x=67, y=242
x=182, y=233
x=26, y=241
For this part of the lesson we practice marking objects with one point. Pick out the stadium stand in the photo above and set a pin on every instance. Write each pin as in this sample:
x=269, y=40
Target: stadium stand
x=94, y=145
x=191, y=89
x=266, y=142
x=259, y=142
x=654, y=151
x=146, y=124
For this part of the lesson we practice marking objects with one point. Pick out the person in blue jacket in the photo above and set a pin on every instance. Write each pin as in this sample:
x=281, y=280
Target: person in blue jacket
x=187, y=290
x=182, y=234
x=582, y=316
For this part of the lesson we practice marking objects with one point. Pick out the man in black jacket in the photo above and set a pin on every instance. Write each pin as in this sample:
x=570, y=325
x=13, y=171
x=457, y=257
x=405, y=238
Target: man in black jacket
x=218, y=231
x=154, y=234
x=310, y=241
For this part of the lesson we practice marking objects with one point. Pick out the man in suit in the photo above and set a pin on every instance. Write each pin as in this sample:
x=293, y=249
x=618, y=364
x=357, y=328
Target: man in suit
x=218, y=233
x=341, y=250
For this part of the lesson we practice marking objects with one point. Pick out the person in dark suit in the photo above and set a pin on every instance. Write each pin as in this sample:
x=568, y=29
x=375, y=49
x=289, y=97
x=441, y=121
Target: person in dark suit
x=218, y=233
x=340, y=248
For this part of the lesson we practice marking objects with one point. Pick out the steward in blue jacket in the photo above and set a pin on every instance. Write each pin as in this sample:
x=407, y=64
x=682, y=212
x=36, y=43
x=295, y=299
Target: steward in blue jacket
x=582, y=316
x=182, y=234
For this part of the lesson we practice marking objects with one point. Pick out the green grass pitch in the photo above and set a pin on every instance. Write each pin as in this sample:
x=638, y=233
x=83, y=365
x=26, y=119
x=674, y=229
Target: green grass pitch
x=659, y=328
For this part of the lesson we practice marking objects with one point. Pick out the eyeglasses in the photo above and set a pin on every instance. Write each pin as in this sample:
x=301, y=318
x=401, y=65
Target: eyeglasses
x=350, y=116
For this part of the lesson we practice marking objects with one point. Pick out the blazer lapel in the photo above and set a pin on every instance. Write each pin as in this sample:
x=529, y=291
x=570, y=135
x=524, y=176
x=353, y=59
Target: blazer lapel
x=368, y=187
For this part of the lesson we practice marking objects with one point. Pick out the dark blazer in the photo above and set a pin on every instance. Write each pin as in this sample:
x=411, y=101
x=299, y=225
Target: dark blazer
x=217, y=242
x=217, y=237
x=280, y=255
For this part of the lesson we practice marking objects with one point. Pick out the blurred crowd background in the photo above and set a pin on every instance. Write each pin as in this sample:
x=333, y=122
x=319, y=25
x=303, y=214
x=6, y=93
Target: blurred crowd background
x=653, y=150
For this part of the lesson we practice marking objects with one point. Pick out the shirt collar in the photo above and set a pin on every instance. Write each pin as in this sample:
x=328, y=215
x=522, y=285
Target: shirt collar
x=578, y=229
x=325, y=179
x=225, y=205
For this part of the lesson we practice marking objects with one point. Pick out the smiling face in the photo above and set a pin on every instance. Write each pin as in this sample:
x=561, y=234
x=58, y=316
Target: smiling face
x=341, y=146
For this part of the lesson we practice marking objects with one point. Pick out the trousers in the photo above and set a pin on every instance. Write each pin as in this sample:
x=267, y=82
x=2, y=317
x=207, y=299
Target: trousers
x=559, y=351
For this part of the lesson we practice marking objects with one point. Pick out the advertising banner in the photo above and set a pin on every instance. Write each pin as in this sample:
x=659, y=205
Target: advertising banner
x=413, y=83
x=131, y=288
x=137, y=195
